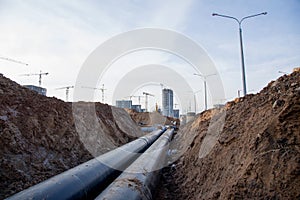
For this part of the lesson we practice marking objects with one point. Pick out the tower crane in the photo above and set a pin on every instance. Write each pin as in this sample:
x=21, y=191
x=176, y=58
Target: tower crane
x=39, y=74
x=146, y=100
x=13, y=60
x=67, y=91
x=102, y=90
x=139, y=98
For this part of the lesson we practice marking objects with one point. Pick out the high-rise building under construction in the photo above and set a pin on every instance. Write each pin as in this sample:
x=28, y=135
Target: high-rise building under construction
x=167, y=102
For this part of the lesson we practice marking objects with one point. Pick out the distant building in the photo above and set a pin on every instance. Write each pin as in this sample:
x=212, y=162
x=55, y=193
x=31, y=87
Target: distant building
x=39, y=90
x=176, y=113
x=167, y=102
x=190, y=116
x=137, y=108
x=124, y=104
x=218, y=105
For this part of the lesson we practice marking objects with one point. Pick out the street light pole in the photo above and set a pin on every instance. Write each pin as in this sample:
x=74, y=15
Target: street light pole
x=241, y=43
x=205, y=90
x=243, y=61
x=205, y=94
x=195, y=102
x=239, y=93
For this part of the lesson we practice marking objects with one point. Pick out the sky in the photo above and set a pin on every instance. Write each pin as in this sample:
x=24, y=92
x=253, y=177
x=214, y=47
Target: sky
x=58, y=36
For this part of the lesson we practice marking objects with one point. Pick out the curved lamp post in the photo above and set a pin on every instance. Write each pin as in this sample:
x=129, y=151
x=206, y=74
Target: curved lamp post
x=241, y=42
x=205, y=90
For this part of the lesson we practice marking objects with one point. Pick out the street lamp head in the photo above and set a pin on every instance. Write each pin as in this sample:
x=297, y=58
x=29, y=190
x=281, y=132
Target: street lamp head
x=198, y=74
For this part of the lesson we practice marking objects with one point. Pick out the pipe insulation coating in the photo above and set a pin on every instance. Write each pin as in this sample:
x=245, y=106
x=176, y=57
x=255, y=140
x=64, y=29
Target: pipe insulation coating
x=140, y=178
x=87, y=180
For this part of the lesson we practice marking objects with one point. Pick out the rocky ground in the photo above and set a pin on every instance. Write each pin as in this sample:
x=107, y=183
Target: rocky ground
x=39, y=137
x=252, y=153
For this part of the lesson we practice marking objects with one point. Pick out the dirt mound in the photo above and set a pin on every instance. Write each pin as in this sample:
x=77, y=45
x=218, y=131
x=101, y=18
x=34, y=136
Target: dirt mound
x=38, y=137
x=150, y=118
x=255, y=156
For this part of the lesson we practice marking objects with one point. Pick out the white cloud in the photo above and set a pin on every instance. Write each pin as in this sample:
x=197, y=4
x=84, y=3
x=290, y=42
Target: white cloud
x=57, y=36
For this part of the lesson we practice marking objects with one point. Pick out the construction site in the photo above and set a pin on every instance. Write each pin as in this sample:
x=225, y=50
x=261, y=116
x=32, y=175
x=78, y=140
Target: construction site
x=255, y=156
x=149, y=100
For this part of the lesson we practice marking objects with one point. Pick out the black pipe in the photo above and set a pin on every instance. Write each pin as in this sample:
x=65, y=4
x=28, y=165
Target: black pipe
x=87, y=180
x=140, y=178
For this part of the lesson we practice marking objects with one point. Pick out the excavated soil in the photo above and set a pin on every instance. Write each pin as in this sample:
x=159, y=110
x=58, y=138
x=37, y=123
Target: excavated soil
x=255, y=155
x=38, y=137
x=151, y=118
x=247, y=150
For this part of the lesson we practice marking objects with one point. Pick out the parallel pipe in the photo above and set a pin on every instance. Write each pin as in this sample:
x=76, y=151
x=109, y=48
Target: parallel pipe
x=140, y=178
x=87, y=180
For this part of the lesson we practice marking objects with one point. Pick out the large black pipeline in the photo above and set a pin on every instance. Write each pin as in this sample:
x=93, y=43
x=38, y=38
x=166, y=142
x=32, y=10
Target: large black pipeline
x=141, y=177
x=87, y=180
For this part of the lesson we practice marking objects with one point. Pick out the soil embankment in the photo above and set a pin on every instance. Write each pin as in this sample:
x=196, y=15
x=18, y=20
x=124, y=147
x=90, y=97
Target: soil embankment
x=250, y=149
x=256, y=155
x=151, y=118
x=39, y=139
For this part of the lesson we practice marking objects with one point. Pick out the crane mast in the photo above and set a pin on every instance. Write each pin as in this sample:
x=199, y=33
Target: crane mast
x=37, y=74
x=67, y=91
x=101, y=89
x=146, y=99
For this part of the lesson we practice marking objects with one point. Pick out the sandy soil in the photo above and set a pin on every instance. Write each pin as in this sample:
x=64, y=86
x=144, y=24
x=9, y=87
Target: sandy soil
x=38, y=137
x=151, y=118
x=247, y=150
x=256, y=155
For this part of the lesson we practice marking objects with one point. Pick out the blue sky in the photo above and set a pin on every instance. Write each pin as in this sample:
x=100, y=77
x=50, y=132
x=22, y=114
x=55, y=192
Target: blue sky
x=57, y=37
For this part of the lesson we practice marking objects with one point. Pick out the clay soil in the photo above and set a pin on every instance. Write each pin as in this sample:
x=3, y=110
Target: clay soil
x=256, y=154
x=38, y=137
